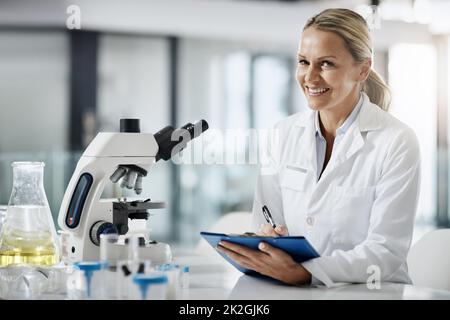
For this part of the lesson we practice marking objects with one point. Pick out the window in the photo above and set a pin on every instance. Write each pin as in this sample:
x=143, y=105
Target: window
x=34, y=103
x=133, y=82
x=234, y=89
x=412, y=74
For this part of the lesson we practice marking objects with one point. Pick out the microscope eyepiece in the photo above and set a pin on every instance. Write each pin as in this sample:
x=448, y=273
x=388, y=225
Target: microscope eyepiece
x=171, y=141
x=130, y=125
x=195, y=129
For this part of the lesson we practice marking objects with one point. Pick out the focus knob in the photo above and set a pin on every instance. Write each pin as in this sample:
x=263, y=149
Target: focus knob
x=101, y=227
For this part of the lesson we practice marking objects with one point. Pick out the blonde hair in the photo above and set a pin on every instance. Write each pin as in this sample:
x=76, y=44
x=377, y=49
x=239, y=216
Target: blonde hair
x=353, y=29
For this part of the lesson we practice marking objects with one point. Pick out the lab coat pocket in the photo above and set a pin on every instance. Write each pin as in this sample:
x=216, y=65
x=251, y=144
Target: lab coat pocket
x=351, y=214
x=294, y=178
x=293, y=184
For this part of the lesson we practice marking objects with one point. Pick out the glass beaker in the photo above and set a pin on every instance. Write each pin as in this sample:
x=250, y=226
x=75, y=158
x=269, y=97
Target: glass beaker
x=28, y=235
x=2, y=215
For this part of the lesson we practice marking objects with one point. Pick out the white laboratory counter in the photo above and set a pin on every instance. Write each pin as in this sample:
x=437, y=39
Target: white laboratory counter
x=212, y=278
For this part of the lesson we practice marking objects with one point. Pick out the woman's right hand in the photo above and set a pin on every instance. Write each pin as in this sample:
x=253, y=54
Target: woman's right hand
x=266, y=230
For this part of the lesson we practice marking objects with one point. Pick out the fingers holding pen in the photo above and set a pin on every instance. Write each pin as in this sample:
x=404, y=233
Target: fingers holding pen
x=281, y=230
x=268, y=231
x=271, y=229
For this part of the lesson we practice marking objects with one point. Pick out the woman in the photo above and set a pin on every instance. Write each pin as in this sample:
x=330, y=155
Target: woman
x=346, y=175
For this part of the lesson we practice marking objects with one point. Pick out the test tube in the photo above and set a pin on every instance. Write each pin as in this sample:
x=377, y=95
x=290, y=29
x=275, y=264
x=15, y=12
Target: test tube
x=173, y=274
x=109, y=254
x=185, y=277
x=130, y=267
x=133, y=248
x=108, y=250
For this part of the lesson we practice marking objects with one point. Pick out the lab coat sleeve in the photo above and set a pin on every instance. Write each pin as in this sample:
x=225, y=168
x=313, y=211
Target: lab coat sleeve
x=268, y=191
x=391, y=223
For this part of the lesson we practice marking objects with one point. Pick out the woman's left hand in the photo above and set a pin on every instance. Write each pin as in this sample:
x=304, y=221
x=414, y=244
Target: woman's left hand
x=268, y=261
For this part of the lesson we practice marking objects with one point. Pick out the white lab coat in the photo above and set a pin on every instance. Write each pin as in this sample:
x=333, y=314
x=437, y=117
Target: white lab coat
x=359, y=216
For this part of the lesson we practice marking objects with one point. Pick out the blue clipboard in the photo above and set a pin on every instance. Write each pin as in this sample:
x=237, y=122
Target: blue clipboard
x=297, y=247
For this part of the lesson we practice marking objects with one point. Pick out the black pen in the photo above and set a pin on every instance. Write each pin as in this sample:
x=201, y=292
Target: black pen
x=268, y=216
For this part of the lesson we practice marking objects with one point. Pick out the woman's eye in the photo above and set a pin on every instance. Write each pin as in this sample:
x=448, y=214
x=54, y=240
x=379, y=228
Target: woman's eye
x=327, y=64
x=303, y=62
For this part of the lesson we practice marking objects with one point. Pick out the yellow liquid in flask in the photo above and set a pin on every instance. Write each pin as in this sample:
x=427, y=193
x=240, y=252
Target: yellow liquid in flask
x=19, y=249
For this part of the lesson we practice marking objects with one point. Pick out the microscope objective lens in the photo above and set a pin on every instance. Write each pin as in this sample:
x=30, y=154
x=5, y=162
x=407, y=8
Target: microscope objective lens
x=132, y=176
x=119, y=173
x=138, y=184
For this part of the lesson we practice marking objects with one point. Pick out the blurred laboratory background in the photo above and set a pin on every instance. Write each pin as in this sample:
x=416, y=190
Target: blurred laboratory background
x=231, y=62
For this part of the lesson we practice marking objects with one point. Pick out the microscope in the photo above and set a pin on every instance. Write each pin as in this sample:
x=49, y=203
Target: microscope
x=127, y=156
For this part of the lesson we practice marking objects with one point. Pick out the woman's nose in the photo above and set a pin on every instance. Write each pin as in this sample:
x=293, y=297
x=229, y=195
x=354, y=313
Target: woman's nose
x=311, y=74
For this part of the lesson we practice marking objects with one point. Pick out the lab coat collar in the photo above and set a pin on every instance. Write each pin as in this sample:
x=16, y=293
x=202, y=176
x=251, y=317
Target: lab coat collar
x=368, y=120
x=346, y=124
x=305, y=142
x=368, y=117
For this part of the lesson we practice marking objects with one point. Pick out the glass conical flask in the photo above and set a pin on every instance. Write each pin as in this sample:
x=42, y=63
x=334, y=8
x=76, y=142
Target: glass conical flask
x=28, y=235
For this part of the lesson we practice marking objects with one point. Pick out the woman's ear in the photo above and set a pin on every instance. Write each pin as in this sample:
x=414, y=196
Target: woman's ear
x=365, y=69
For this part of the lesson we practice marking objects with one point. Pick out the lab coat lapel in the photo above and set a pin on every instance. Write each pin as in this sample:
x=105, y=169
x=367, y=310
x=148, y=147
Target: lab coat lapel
x=353, y=140
x=351, y=144
x=305, y=145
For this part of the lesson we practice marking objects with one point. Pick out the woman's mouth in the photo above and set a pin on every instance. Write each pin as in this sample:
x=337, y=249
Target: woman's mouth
x=316, y=92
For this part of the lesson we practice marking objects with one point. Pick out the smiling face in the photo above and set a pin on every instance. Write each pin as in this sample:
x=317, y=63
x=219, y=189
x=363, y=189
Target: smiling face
x=327, y=72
